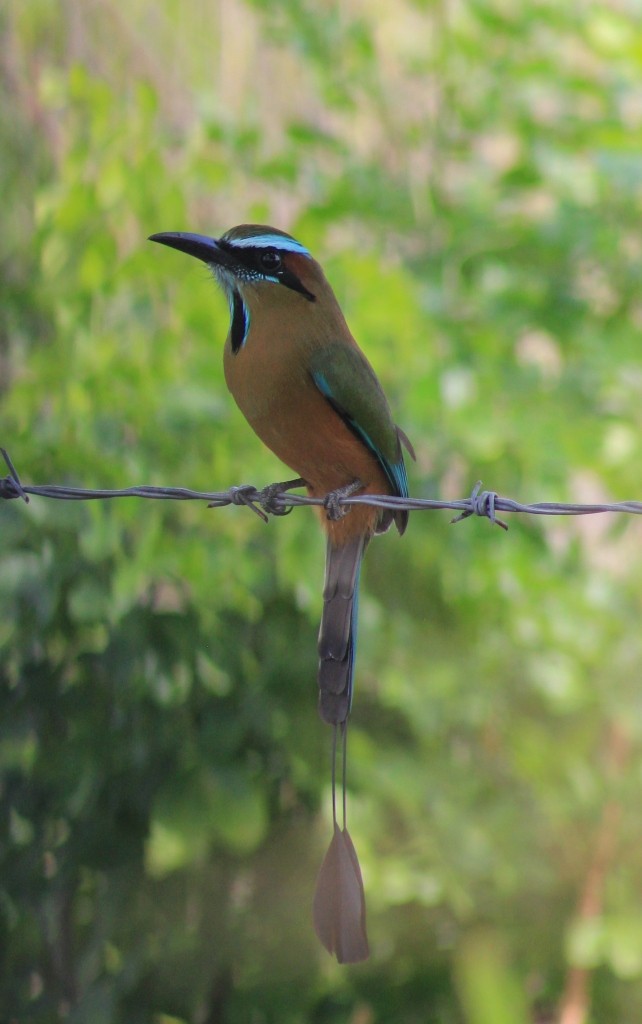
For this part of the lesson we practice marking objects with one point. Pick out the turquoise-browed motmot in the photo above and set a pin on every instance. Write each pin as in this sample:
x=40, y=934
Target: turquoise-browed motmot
x=310, y=394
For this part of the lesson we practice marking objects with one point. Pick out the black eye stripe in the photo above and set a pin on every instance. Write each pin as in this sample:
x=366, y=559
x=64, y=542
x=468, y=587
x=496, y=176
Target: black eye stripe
x=252, y=256
x=251, y=266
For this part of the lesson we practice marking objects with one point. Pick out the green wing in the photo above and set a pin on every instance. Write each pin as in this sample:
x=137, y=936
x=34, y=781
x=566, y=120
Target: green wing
x=345, y=378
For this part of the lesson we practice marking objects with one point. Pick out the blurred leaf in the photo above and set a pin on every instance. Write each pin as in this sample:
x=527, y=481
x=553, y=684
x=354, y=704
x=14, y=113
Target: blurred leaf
x=488, y=991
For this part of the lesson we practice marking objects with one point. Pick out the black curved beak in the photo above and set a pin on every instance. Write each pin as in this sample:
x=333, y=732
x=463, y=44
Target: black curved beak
x=201, y=246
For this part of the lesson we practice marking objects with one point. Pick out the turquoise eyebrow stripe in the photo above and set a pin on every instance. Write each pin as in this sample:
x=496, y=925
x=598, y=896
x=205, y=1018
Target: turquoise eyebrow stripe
x=269, y=242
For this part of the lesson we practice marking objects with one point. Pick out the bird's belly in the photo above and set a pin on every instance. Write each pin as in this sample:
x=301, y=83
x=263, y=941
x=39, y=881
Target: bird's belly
x=318, y=446
x=290, y=415
x=313, y=440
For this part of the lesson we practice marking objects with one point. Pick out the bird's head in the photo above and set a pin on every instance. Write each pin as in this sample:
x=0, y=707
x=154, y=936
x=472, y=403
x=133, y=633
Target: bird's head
x=250, y=255
x=255, y=265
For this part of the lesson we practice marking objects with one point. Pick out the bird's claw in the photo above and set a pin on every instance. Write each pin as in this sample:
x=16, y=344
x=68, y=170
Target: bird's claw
x=268, y=496
x=332, y=501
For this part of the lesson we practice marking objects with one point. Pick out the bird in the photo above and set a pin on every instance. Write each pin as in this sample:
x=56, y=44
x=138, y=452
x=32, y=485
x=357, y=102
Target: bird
x=310, y=394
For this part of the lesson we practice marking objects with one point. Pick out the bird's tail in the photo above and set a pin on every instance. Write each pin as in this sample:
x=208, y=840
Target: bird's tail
x=338, y=631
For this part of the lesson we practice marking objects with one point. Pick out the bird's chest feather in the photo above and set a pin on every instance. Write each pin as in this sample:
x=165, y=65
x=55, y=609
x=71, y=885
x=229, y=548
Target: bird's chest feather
x=270, y=380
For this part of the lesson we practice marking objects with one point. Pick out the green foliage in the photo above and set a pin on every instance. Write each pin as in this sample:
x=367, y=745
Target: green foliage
x=469, y=177
x=488, y=992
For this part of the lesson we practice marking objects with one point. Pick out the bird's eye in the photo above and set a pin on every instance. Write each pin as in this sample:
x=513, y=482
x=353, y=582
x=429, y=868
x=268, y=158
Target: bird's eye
x=270, y=260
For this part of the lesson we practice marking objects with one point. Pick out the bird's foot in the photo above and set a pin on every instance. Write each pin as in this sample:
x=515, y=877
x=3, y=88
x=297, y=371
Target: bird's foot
x=268, y=497
x=332, y=501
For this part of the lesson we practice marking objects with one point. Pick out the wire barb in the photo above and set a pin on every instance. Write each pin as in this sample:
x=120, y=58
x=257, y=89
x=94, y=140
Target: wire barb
x=10, y=486
x=245, y=494
x=482, y=503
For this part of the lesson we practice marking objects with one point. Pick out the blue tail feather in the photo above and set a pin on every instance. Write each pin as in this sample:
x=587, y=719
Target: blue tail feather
x=338, y=631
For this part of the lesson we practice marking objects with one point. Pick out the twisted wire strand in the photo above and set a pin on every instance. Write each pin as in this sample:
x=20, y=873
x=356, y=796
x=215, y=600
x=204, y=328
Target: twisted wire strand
x=270, y=500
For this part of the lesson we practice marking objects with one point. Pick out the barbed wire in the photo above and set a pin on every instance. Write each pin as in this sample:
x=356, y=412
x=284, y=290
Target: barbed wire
x=278, y=499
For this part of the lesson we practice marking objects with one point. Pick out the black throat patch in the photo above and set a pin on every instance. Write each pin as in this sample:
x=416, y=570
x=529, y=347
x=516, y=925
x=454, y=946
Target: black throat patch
x=240, y=324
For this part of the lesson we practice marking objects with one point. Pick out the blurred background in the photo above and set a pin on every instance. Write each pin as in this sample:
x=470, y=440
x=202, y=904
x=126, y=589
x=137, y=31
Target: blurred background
x=469, y=173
